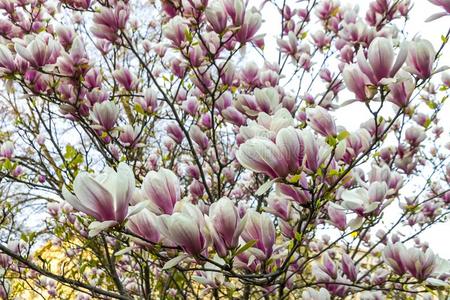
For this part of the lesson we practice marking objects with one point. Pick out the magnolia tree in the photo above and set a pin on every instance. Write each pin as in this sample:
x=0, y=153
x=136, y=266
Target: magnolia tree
x=159, y=150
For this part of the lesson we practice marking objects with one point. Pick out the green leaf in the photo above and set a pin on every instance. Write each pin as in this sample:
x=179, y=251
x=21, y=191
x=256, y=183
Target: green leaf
x=248, y=245
x=343, y=135
x=331, y=141
x=139, y=109
x=298, y=236
x=431, y=104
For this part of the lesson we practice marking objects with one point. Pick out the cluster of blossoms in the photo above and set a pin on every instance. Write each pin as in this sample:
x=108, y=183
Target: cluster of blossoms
x=169, y=155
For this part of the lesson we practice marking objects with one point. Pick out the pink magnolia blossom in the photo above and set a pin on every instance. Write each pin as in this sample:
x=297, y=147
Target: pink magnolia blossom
x=264, y=100
x=402, y=89
x=380, y=62
x=248, y=29
x=175, y=132
x=199, y=137
x=39, y=52
x=7, y=63
x=129, y=136
x=149, y=102
x=421, y=56
x=259, y=228
x=109, y=21
x=216, y=16
x=162, y=189
x=337, y=216
x=420, y=264
x=321, y=121
x=357, y=82
x=176, y=31
x=395, y=256
x=126, y=79
x=105, y=114
x=186, y=228
x=105, y=197
x=226, y=225
x=7, y=150
x=273, y=159
x=145, y=225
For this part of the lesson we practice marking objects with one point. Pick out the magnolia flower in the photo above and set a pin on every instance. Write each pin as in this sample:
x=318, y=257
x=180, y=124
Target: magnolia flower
x=259, y=227
x=357, y=82
x=190, y=105
x=125, y=79
x=273, y=159
x=328, y=266
x=445, y=77
x=186, y=228
x=292, y=193
x=7, y=63
x=421, y=56
x=212, y=279
x=356, y=143
x=199, y=137
x=216, y=16
x=175, y=132
x=262, y=155
x=175, y=30
x=105, y=114
x=149, y=102
x=264, y=100
x=93, y=79
x=75, y=61
x=249, y=73
x=105, y=197
x=420, y=264
x=39, y=52
x=320, y=38
x=415, y=135
x=225, y=225
x=232, y=115
x=145, y=225
x=108, y=21
x=162, y=188
x=65, y=35
x=380, y=63
x=7, y=150
x=316, y=151
x=289, y=46
x=267, y=125
x=247, y=30
x=395, y=255
x=236, y=10
x=337, y=216
x=278, y=206
x=129, y=136
x=402, y=89
x=363, y=202
x=321, y=121
x=349, y=267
